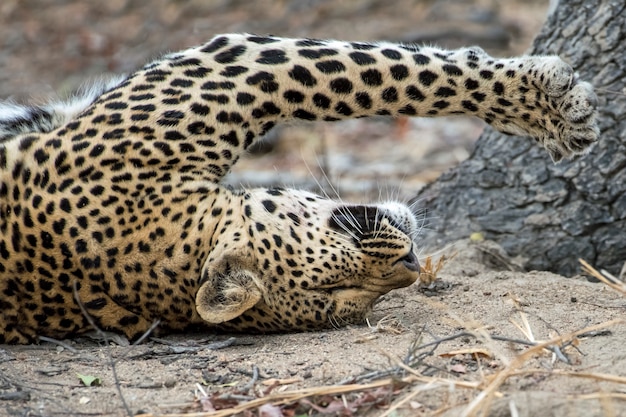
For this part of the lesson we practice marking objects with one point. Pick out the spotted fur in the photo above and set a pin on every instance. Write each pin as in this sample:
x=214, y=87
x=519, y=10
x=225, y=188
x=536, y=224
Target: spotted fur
x=114, y=199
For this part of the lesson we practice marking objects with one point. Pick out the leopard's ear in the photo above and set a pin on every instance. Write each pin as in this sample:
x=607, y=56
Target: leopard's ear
x=226, y=295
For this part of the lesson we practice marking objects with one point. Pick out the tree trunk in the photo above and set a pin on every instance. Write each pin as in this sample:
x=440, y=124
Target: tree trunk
x=509, y=190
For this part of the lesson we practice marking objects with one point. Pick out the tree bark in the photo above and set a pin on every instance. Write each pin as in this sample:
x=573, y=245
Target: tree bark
x=510, y=191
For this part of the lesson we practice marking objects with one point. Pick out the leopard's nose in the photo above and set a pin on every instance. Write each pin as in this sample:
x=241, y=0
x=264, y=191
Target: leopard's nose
x=410, y=262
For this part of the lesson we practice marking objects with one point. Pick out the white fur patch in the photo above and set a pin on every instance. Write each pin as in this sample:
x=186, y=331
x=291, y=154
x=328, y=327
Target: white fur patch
x=16, y=119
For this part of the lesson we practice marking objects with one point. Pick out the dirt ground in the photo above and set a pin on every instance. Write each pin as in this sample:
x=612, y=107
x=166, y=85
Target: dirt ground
x=435, y=351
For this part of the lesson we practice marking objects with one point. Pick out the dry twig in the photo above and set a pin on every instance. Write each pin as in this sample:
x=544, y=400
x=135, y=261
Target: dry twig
x=105, y=337
x=604, y=277
x=108, y=351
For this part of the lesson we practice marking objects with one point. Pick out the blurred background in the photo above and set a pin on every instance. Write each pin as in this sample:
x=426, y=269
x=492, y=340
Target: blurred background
x=48, y=48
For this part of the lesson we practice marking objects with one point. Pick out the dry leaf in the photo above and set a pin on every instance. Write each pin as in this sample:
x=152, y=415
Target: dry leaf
x=333, y=407
x=207, y=405
x=459, y=368
x=415, y=405
x=270, y=410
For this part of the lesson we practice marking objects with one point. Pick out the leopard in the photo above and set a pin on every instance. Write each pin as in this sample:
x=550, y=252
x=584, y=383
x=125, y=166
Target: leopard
x=114, y=215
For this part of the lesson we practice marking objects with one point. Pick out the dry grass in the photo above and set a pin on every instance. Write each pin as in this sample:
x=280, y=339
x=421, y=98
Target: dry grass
x=604, y=277
x=430, y=269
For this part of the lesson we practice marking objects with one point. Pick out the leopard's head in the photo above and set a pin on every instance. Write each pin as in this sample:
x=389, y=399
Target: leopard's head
x=301, y=261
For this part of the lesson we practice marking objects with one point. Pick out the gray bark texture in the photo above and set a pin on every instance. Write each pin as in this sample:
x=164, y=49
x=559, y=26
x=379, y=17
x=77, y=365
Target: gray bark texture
x=509, y=190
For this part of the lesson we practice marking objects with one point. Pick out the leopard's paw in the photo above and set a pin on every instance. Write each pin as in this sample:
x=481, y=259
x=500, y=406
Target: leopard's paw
x=566, y=111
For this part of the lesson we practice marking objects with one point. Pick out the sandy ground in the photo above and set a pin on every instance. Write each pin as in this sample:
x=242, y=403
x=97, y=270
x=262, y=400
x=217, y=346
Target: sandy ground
x=482, y=312
x=476, y=298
